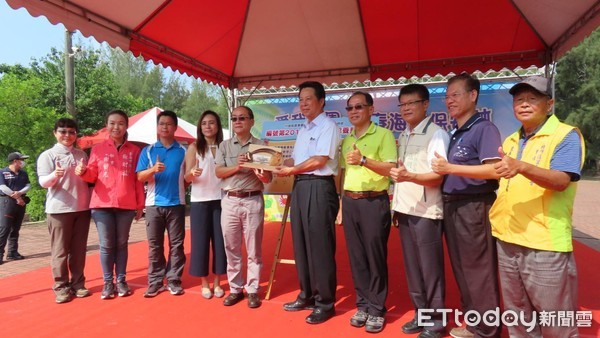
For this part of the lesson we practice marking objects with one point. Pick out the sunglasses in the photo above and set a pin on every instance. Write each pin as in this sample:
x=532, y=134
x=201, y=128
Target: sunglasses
x=66, y=132
x=240, y=118
x=359, y=106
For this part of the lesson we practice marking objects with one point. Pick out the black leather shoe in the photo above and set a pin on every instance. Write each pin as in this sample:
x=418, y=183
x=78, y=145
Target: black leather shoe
x=233, y=299
x=411, y=327
x=253, y=300
x=429, y=334
x=299, y=304
x=319, y=315
x=15, y=257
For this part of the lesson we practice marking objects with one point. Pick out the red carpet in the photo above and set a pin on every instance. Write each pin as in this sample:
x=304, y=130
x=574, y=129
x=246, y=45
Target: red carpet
x=27, y=307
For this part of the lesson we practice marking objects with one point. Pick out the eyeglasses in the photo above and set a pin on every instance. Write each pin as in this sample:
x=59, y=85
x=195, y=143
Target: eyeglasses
x=359, y=106
x=452, y=97
x=240, y=118
x=410, y=104
x=164, y=124
x=66, y=132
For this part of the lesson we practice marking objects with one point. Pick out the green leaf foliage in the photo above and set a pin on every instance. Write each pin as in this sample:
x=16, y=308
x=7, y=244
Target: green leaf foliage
x=32, y=98
x=578, y=94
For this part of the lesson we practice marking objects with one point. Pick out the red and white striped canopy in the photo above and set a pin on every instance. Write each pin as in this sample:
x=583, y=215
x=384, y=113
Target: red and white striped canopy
x=243, y=43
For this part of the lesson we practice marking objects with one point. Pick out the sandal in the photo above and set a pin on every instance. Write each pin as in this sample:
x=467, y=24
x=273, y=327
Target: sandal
x=206, y=293
x=219, y=292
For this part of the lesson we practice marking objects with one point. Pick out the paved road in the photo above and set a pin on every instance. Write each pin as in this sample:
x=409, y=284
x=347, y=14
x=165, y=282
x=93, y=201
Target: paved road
x=35, y=243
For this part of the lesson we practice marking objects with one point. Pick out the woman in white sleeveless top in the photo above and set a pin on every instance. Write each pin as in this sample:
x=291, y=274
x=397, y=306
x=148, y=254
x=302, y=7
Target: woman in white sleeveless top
x=205, y=213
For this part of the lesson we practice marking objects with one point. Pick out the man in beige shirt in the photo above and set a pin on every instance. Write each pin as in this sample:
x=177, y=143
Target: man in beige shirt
x=243, y=208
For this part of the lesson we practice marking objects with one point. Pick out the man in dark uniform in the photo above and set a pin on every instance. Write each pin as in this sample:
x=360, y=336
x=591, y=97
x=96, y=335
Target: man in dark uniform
x=14, y=184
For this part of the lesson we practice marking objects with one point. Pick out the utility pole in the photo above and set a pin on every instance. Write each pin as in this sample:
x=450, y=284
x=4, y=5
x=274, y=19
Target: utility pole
x=69, y=75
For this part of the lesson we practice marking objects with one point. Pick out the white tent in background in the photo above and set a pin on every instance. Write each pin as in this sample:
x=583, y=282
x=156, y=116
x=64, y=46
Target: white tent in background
x=142, y=128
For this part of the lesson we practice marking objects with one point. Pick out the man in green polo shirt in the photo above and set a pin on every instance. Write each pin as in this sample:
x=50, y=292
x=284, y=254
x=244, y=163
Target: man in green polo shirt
x=368, y=154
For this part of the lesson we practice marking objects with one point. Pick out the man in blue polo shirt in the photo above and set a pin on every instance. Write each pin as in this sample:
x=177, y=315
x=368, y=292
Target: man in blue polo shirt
x=162, y=165
x=468, y=194
x=14, y=184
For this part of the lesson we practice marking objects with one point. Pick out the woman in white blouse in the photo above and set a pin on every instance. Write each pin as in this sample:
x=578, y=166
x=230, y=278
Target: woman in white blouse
x=205, y=213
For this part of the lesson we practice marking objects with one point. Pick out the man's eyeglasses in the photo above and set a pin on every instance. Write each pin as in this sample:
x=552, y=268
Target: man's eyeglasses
x=66, y=132
x=410, y=104
x=359, y=106
x=240, y=118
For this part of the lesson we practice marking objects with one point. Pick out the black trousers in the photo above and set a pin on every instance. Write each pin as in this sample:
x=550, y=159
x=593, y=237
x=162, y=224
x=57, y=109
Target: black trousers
x=313, y=210
x=473, y=257
x=367, y=224
x=206, y=232
x=11, y=218
x=423, y=253
x=171, y=219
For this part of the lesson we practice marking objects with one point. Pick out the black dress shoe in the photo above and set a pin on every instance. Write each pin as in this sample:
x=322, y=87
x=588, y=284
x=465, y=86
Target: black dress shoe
x=299, y=304
x=253, y=300
x=233, y=299
x=429, y=334
x=15, y=257
x=319, y=315
x=411, y=327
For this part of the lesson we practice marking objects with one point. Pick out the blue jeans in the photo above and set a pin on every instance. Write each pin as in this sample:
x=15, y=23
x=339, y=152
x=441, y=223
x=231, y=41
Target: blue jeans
x=113, y=232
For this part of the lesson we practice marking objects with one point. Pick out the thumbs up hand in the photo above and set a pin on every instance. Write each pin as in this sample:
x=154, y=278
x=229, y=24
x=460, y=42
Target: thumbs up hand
x=440, y=165
x=158, y=167
x=354, y=156
x=196, y=171
x=59, y=171
x=507, y=167
x=400, y=173
x=80, y=168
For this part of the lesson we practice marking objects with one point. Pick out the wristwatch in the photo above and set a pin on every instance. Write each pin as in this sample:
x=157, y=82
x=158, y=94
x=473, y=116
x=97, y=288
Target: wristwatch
x=363, y=161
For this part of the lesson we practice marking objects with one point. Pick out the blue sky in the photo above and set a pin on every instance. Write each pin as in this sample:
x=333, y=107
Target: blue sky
x=24, y=37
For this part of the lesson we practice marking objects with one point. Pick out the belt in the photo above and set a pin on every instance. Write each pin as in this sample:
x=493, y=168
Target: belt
x=460, y=197
x=242, y=194
x=364, y=194
x=303, y=177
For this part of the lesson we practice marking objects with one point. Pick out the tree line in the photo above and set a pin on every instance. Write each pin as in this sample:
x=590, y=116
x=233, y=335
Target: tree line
x=32, y=98
x=577, y=87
